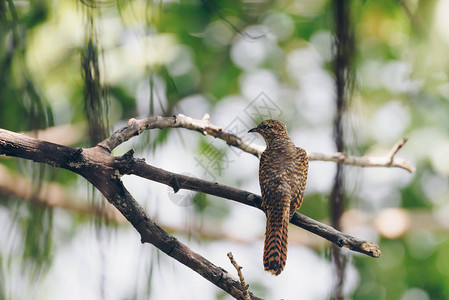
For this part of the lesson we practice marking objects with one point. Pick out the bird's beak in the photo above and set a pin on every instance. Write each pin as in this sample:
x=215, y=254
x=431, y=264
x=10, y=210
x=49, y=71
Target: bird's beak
x=253, y=130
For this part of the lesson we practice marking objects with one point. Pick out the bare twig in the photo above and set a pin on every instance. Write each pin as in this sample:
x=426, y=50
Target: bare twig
x=204, y=126
x=388, y=160
x=242, y=279
x=396, y=148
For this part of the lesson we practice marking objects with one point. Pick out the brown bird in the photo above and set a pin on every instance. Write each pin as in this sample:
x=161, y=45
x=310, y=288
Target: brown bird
x=282, y=178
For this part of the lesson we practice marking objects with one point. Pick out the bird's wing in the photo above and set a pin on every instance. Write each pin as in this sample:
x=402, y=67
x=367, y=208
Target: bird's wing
x=274, y=182
x=298, y=178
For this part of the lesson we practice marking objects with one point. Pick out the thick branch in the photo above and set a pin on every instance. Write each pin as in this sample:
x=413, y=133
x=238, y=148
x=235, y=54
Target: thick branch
x=151, y=233
x=136, y=127
x=98, y=168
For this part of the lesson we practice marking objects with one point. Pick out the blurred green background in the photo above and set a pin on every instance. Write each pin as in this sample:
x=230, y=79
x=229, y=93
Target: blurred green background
x=74, y=71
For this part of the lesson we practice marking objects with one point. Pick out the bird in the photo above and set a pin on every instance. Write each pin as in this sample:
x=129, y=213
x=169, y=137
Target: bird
x=282, y=178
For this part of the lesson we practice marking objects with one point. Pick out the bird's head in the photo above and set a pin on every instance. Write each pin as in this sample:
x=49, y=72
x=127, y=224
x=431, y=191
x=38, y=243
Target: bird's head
x=270, y=129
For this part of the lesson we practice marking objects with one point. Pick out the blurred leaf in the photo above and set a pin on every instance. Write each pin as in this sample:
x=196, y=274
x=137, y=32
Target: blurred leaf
x=200, y=202
x=38, y=227
x=125, y=99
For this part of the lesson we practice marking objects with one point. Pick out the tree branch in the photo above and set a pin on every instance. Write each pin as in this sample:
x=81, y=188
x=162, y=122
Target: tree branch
x=97, y=167
x=388, y=160
x=240, y=274
x=136, y=127
x=103, y=171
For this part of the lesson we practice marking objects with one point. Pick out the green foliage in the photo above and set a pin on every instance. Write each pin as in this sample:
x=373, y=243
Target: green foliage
x=413, y=196
x=316, y=206
x=17, y=86
x=403, y=269
x=127, y=103
x=38, y=227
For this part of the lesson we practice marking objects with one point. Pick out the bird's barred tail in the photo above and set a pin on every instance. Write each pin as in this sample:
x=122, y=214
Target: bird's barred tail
x=276, y=233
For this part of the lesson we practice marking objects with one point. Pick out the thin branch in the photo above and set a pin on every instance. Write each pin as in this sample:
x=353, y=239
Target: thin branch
x=396, y=148
x=388, y=160
x=242, y=279
x=204, y=126
x=136, y=127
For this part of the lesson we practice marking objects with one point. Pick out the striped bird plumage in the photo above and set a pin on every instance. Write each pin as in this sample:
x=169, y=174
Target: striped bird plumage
x=282, y=178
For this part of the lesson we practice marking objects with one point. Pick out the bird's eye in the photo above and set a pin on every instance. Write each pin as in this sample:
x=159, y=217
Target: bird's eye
x=265, y=126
